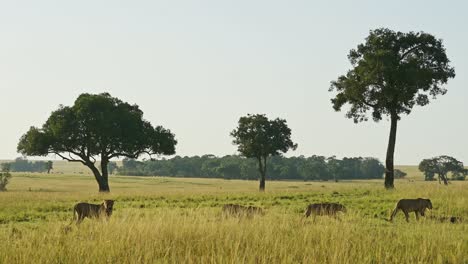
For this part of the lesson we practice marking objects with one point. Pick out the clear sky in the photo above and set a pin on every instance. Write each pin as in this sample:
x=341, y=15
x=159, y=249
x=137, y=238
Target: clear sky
x=195, y=67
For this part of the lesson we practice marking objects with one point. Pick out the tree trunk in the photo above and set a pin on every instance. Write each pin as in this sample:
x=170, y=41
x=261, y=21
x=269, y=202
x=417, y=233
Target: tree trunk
x=262, y=169
x=104, y=186
x=389, y=173
x=100, y=178
x=262, y=183
x=444, y=178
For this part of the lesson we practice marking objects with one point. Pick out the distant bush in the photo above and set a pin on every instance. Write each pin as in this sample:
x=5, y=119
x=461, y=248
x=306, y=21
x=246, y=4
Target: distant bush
x=399, y=174
x=4, y=178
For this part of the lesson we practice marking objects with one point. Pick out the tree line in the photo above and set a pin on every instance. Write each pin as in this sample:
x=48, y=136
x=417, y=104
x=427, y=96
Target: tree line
x=21, y=164
x=238, y=167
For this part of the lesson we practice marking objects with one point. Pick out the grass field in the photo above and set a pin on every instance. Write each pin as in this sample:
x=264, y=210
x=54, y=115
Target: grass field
x=179, y=220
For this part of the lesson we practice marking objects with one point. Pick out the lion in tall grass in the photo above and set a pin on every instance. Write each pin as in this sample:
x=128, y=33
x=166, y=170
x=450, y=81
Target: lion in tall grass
x=240, y=210
x=324, y=209
x=83, y=210
x=418, y=206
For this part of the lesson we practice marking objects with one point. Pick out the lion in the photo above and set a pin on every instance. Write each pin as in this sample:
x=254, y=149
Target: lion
x=83, y=210
x=324, y=209
x=240, y=210
x=418, y=206
x=451, y=219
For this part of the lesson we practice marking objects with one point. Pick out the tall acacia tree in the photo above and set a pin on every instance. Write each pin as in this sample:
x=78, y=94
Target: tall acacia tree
x=257, y=137
x=392, y=72
x=97, y=127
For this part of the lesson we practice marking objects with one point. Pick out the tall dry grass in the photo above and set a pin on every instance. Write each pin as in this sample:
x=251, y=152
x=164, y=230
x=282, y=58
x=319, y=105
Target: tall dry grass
x=155, y=222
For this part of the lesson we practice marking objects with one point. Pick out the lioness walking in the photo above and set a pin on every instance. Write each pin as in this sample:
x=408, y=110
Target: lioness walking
x=324, y=209
x=240, y=210
x=83, y=210
x=418, y=206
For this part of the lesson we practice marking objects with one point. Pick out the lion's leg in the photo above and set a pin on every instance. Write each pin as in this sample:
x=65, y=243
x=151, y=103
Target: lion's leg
x=334, y=214
x=417, y=215
x=406, y=215
x=307, y=212
x=314, y=217
x=79, y=219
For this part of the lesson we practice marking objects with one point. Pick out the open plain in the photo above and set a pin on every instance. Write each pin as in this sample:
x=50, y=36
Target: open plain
x=175, y=220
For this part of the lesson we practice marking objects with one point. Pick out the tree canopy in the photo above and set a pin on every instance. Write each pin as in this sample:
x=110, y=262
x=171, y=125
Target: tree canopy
x=392, y=72
x=442, y=165
x=97, y=127
x=258, y=137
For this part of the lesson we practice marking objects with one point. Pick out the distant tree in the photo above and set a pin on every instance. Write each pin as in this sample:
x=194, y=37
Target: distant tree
x=399, y=174
x=21, y=164
x=5, y=177
x=429, y=176
x=441, y=166
x=334, y=167
x=371, y=168
x=111, y=167
x=97, y=126
x=460, y=175
x=259, y=138
x=392, y=72
x=315, y=168
x=49, y=166
x=229, y=169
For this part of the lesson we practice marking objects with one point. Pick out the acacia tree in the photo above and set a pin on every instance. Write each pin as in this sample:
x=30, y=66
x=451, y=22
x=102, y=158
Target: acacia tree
x=441, y=166
x=392, y=72
x=97, y=126
x=259, y=138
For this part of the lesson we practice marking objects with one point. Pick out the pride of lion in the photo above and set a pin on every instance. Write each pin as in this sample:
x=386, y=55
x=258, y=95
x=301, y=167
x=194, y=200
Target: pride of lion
x=418, y=206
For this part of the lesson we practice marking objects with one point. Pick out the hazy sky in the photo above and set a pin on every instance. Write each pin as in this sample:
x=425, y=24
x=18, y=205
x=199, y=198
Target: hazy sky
x=195, y=67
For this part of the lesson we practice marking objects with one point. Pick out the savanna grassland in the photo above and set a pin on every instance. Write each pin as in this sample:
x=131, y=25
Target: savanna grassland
x=179, y=220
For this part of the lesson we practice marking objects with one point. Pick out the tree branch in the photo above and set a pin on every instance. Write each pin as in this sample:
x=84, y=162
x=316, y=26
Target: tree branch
x=68, y=159
x=131, y=156
x=368, y=104
x=410, y=50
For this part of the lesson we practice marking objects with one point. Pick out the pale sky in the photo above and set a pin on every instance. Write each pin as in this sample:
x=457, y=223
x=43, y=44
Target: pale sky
x=195, y=67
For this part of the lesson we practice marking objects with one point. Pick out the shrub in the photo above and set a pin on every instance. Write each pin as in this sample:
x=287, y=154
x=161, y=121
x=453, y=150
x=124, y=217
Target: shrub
x=4, y=179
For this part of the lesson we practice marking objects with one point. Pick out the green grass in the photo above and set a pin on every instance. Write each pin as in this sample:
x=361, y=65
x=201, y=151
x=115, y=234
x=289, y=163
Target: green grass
x=174, y=220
